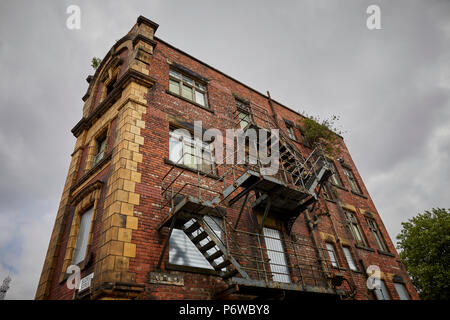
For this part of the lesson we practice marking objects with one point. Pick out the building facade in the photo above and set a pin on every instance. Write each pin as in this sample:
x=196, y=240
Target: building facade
x=148, y=213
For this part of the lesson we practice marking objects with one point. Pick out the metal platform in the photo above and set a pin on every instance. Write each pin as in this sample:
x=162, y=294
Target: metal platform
x=271, y=289
x=244, y=258
x=189, y=207
x=285, y=199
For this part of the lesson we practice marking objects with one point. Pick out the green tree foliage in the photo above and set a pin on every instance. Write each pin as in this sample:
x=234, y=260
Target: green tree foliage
x=425, y=251
x=322, y=131
x=96, y=62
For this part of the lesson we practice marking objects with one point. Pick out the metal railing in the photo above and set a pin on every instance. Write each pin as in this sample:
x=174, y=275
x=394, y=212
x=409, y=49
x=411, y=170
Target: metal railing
x=299, y=262
x=304, y=264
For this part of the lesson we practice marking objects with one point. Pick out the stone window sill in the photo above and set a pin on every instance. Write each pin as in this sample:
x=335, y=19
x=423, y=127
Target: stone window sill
x=339, y=268
x=182, y=166
x=364, y=248
x=386, y=253
x=176, y=267
x=91, y=171
x=189, y=101
x=82, y=265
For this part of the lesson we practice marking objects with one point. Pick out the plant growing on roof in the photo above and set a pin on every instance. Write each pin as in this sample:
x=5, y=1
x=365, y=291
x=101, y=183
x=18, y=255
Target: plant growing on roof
x=322, y=132
x=95, y=62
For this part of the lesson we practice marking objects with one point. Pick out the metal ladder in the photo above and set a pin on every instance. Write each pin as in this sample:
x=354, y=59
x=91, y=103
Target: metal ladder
x=213, y=248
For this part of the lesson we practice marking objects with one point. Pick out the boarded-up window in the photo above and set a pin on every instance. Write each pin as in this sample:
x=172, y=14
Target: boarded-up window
x=183, y=252
x=275, y=252
x=349, y=258
x=332, y=255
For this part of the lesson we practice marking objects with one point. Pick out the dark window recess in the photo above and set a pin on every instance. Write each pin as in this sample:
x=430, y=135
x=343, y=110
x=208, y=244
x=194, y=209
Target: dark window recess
x=304, y=140
x=110, y=86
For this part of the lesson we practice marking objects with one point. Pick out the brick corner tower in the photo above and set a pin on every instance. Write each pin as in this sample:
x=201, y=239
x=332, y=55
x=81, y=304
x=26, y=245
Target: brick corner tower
x=148, y=213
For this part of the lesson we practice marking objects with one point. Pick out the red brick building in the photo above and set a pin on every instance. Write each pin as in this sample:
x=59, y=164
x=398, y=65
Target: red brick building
x=147, y=213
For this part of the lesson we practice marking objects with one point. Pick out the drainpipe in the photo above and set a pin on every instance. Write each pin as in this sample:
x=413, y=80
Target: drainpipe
x=311, y=226
x=272, y=108
x=349, y=235
x=353, y=283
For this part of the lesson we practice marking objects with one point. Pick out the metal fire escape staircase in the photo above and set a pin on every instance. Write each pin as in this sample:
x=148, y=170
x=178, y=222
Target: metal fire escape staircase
x=295, y=187
x=287, y=193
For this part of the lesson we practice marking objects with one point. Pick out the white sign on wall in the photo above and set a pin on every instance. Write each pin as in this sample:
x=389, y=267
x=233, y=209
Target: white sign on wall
x=85, y=282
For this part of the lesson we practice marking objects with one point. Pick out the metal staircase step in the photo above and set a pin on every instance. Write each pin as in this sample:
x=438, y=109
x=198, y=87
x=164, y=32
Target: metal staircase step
x=192, y=228
x=199, y=237
x=206, y=247
x=221, y=265
x=214, y=256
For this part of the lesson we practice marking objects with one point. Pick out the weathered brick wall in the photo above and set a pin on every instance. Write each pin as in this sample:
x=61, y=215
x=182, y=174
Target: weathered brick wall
x=132, y=190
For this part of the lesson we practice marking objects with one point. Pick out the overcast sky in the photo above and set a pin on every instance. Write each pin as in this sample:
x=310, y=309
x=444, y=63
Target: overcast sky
x=390, y=87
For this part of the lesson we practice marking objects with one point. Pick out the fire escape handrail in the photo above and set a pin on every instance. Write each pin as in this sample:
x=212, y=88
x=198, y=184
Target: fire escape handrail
x=264, y=261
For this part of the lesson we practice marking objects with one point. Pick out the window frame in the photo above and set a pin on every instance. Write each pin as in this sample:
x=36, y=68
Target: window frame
x=87, y=232
x=348, y=172
x=354, y=226
x=335, y=174
x=375, y=230
x=99, y=140
x=86, y=198
x=243, y=108
x=109, y=86
x=290, y=130
x=335, y=262
x=406, y=292
x=191, y=82
x=189, y=142
x=350, y=262
x=279, y=270
x=378, y=290
x=110, y=78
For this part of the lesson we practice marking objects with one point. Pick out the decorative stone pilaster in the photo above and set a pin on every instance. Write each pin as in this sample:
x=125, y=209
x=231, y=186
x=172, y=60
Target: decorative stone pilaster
x=118, y=221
